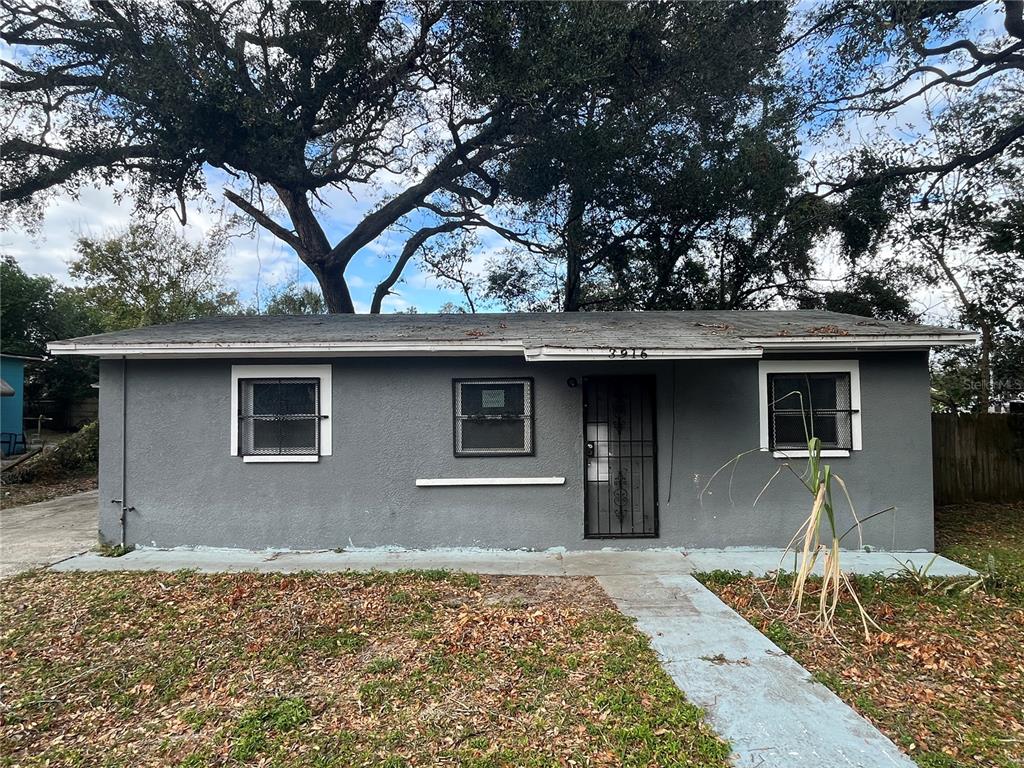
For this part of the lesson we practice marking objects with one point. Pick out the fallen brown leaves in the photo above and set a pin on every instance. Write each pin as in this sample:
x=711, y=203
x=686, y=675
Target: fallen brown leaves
x=945, y=680
x=332, y=670
x=19, y=494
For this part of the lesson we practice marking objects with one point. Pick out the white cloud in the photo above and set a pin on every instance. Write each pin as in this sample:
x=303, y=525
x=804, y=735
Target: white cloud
x=47, y=252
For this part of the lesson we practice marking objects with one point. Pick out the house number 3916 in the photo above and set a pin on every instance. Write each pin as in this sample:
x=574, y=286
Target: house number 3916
x=632, y=354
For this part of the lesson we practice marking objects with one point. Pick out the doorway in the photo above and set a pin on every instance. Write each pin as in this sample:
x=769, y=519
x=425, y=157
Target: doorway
x=620, y=457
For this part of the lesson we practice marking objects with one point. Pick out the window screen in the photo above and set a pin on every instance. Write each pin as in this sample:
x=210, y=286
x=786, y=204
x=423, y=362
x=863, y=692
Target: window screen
x=279, y=417
x=804, y=405
x=493, y=417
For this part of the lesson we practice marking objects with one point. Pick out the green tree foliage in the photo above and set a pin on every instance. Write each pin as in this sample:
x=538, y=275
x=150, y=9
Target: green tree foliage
x=139, y=276
x=295, y=299
x=145, y=275
x=28, y=317
x=35, y=311
x=934, y=91
x=987, y=280
x=962, y=236
x=689, y=197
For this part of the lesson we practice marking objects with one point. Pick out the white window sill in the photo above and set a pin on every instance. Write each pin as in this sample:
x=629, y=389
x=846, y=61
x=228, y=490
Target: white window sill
x=280, y=459
x=825, y=454
x=465, y=481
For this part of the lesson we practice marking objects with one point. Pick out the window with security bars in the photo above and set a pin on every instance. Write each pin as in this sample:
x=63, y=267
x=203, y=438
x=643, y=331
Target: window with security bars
x=279, y=417
x=493, y=417
x=803, y=405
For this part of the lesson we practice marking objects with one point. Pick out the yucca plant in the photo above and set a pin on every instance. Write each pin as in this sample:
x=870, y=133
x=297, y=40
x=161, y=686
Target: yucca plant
x=819, y=537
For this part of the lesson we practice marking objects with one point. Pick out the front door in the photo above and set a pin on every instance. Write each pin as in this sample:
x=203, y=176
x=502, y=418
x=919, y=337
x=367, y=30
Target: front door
x=621, y=496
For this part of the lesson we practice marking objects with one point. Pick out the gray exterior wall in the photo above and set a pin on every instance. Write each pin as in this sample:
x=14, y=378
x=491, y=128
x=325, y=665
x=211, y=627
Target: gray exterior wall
x=392, y=424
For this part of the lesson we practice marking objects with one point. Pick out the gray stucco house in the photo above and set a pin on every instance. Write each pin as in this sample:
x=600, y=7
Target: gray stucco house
x=581, y=430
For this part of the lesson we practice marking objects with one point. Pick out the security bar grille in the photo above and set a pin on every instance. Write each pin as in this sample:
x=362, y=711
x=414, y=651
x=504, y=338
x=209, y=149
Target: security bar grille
x=804, y=405
x=279, y=417
x=621, y=469
x=493, y=417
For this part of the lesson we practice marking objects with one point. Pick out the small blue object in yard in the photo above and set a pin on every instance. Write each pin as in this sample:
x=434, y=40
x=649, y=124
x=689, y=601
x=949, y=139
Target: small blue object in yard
x=12, y=404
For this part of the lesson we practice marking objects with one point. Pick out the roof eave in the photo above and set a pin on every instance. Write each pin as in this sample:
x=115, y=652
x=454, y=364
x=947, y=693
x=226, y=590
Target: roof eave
x=549, y=353
x=825, y=343
x=747, y=347
x=283, y=350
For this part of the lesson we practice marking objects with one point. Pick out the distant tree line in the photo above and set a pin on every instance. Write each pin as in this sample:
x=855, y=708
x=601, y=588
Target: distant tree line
x=140, y=276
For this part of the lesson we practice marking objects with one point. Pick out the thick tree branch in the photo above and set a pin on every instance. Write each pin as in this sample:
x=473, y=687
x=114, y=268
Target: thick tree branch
x=962, y=160
x=260, y=217
x=412, y=245
x=72, y=163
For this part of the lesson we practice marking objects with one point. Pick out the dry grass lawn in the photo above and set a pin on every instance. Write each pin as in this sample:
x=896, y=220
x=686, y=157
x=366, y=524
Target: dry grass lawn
x=425, y=668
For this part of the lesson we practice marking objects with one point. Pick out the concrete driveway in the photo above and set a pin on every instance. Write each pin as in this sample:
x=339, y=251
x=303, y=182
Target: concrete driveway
x=47, y=532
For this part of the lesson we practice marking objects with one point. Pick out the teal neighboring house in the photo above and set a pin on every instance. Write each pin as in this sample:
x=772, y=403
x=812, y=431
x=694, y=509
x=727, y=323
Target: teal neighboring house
x=12, y=403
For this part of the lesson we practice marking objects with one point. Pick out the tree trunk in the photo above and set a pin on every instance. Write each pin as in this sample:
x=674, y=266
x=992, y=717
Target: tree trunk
x=314, y=249
x=985, y=369
x=333, y=286
x=574, y=252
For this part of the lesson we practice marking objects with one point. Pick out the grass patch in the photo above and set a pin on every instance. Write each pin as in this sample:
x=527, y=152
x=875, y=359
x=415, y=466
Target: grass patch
x=261, y=725
x=984, y=536
x=114, y=550
x=333, y=670
x=944, y=678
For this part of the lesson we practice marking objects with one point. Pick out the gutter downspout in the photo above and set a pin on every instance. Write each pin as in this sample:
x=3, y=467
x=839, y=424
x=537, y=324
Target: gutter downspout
x=124, y=450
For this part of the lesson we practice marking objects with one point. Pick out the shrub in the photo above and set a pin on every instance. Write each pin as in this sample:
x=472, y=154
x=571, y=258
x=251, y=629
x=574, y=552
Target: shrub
x=74, y=456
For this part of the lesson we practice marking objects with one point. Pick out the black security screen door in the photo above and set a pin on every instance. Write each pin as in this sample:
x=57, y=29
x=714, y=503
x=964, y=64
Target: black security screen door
x=621, y=479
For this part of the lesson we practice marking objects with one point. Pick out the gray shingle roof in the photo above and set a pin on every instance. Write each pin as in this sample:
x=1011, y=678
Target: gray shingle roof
x=691, y=330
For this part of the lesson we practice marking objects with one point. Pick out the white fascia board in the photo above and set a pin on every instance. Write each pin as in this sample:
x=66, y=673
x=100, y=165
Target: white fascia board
x=444, y=482
x=242, y=349
x=556, y=354
x=793, y=343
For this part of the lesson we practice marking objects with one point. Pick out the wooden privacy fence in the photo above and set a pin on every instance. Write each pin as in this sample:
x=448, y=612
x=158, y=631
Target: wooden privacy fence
x=978, y=457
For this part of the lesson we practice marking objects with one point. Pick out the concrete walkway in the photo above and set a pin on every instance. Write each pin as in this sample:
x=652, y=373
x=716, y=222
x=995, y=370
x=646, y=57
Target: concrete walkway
x=768, y=706
x=46, y=532
x=491, y=561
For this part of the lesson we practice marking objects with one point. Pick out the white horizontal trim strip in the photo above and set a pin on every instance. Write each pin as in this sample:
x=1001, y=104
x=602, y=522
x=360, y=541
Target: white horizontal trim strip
x=454, y=481
x=546, y=354
x=825, y=454
x=281, y=459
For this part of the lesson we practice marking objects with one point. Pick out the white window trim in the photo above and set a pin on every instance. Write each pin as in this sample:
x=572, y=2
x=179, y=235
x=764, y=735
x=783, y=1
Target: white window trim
x=852, y=367
x=322, y=372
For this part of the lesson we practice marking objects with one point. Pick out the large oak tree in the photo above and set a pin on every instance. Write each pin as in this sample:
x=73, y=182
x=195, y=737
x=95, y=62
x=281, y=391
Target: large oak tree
x=287, y=100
